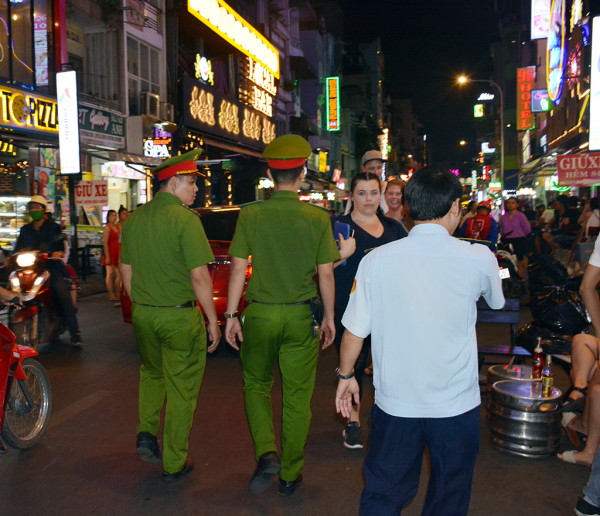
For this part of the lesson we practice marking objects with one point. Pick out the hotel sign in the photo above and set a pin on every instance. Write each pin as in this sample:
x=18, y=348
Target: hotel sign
x=228, y=24
x=525, y=82
x=333, y=103
x=205, y=109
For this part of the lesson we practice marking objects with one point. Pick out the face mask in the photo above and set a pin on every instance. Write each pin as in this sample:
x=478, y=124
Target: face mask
x=37, y=214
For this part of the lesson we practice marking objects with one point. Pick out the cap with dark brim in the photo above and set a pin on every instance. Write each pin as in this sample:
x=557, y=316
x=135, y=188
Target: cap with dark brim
x=179, y=165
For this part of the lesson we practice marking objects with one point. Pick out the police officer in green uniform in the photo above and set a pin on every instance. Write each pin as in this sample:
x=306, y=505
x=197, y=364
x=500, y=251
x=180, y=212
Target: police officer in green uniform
x=287, y=239
x=164, y=253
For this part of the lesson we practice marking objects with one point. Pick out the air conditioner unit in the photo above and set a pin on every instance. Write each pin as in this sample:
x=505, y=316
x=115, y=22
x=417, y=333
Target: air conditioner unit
x=168, y=112
x=150, y=104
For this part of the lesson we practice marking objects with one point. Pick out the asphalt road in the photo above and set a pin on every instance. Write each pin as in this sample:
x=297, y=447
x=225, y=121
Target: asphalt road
x=86, y=464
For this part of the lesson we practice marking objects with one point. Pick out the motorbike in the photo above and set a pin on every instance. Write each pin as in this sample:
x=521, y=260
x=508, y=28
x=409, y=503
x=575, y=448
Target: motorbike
x=40, y=322
x=25, y=392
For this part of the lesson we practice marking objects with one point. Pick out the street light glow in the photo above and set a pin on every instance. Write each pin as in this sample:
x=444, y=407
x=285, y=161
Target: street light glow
x=462, y=142
x=462, y=79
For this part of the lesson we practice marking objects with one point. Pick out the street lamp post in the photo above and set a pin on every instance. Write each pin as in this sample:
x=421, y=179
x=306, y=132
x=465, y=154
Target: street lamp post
x=462, y=80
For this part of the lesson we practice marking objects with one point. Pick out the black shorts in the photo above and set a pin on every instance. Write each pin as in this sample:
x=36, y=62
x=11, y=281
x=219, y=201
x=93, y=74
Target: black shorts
x=519, y=245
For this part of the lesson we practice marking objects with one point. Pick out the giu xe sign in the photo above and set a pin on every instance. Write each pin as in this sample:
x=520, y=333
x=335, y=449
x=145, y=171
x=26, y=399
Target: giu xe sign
x=25, y=111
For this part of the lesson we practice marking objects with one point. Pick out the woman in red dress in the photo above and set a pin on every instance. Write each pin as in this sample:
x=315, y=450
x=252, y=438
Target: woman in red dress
x=112, y=249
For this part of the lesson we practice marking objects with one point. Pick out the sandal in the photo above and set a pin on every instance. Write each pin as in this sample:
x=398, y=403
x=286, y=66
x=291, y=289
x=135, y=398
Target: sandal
x=573, y=405
x=574, y=436
x=569, y=456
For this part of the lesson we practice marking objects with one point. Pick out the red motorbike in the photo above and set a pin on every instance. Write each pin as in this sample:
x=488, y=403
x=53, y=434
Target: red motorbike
x=25, y=393
x=40, y=321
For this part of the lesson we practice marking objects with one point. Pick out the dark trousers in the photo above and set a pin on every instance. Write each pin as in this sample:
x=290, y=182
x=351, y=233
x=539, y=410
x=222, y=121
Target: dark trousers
x=61, y=293
x=393, y=463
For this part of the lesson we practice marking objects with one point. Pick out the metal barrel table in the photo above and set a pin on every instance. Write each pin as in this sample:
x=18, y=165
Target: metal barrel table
x=522, y=422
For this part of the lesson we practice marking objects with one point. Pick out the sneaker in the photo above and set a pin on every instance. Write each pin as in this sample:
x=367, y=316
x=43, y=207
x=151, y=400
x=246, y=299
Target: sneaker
x=76, y=340
x=352, y=437
x=584, y=508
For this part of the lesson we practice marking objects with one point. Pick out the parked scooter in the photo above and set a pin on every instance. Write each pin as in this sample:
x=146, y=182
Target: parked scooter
x=25, y=393
x=40, y=321
x=558, y=314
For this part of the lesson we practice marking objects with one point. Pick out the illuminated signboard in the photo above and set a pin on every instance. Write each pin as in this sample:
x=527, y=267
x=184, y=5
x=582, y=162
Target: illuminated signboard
x=540, y=101
x=540, y=19
x=322, y=161
x=595, y=87
x=478, y=110
x=333, y=103
x=576, y=13
x=228, y=24
x=25, y=111
x=68, y=114
x=525, y=81
x=556, y=51
x=486, y=149
x=574, y=61
x=203, y=69
x=208, y=110
x=257, y=86
x=157, y=148
x=486, y=96
x=337, y=175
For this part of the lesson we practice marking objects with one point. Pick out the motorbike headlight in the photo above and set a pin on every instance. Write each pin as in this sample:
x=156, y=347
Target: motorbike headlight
x=26, y=259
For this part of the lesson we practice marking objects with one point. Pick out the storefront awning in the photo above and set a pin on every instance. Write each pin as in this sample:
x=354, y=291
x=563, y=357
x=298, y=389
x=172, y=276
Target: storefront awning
x=134, y=159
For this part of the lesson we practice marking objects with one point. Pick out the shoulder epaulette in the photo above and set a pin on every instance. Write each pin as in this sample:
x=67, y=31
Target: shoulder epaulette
x=317, y=206
x=190, y=209
x=250, y=203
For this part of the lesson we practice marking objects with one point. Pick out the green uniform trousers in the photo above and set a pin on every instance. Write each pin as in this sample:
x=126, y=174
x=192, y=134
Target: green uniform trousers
x=172, y=342
x=284, y=332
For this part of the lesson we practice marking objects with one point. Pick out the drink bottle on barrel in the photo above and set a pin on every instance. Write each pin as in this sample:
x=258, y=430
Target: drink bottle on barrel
x=547, y=378
x=538, y=360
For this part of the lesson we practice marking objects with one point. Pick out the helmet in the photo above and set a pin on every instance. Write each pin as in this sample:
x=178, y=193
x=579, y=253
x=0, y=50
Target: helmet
x=38, y=199
x=485, y=204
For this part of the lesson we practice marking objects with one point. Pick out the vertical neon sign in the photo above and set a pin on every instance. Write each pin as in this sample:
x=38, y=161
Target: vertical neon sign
x=525, y=80
x=333, y=103
x=556, y=51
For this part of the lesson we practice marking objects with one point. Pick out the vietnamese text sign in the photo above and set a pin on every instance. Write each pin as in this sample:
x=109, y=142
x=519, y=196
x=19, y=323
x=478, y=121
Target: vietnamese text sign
x=68, y=115
x=91, y=193
x=525, y=81
x=578, y=169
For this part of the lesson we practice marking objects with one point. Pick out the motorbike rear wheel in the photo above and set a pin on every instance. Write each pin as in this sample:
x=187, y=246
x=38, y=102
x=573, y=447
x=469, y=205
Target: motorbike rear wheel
x=25, y=424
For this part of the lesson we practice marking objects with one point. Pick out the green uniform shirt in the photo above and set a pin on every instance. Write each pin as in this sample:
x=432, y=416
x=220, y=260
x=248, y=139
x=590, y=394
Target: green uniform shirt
x=163, y=241
x=286, y=239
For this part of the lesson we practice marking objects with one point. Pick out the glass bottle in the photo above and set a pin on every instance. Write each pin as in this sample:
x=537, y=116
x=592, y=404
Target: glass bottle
x=538, y=360
x=547, y=378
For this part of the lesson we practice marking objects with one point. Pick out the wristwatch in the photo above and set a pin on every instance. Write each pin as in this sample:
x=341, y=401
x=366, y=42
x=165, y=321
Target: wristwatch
x=231, y=316
x=344, y=376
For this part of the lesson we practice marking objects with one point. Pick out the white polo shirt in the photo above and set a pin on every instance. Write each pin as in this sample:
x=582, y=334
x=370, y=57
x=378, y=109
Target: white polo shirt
x=416, y=297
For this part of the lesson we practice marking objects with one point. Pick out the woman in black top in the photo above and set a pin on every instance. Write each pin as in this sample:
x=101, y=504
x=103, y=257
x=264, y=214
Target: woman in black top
x=371, y=230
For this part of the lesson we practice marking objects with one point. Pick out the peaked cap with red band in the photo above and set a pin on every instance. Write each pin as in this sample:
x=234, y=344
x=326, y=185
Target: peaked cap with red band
x=179, y=165
x=288, y=151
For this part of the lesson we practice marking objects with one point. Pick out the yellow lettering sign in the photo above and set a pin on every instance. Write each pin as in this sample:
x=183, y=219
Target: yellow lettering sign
x=229, y=119
x=202, y=106
x=251, y=126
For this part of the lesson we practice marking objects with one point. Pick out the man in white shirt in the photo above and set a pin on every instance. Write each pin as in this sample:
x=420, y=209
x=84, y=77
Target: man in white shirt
x=416, y=297
x=372, y=163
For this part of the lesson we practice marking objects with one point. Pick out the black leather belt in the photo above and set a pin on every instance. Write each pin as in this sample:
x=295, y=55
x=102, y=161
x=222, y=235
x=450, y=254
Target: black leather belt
x=307, y=302
x=189, y=304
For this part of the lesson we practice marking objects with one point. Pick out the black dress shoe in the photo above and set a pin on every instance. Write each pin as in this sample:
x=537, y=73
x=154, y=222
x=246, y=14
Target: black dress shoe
x=147, y=448
x=3, y=448
x=268, y=466
x=288, y=488
x=187, y=468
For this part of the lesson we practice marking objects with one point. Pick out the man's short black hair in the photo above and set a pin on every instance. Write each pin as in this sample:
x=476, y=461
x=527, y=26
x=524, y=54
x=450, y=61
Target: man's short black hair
x=286, y=176
x=573, y=201
x=430, y=193
x=471, y=204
